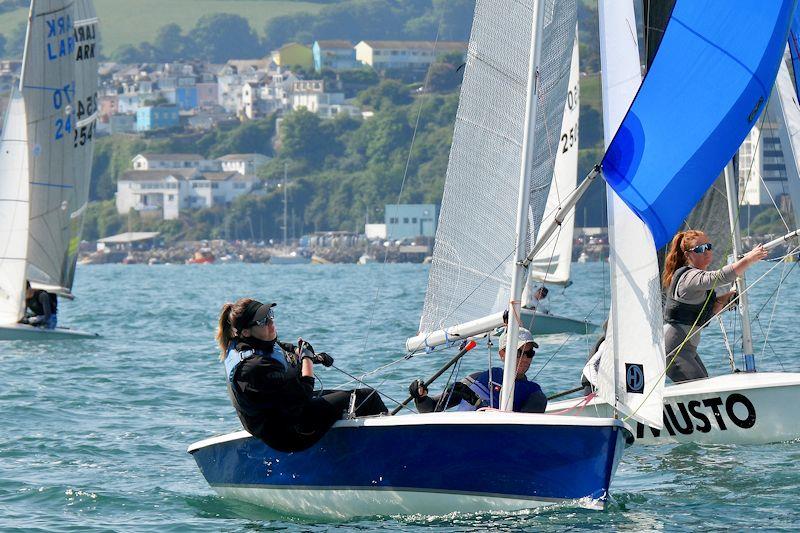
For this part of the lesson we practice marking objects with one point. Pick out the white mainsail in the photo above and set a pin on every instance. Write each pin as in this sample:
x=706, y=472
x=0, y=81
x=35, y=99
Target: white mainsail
x=552, y=264
x=471, y=270
x=631, y=368
x=55, y=91
x=13, y=210
x=784, y=106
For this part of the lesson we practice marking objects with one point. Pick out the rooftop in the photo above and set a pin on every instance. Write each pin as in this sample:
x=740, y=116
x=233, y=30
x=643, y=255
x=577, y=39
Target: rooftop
x=419, y=45
x=158, y=175
x=335, y=44
x=172, y=157
x=238, y=157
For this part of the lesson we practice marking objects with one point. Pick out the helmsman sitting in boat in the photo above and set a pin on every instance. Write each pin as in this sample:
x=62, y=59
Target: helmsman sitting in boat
x=482, y=389
x=537, y=300
x=42, y=308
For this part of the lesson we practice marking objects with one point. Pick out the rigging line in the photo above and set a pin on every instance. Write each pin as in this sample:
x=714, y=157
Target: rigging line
x=400, y=193
x=780, y=282
x=373, y=389
x=569, y=336
x=767, y=343
x=772, y=199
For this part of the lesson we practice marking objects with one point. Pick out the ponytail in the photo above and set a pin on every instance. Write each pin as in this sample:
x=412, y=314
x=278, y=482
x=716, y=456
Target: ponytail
x=231, y=313
x=676, y=257
x=225, y=331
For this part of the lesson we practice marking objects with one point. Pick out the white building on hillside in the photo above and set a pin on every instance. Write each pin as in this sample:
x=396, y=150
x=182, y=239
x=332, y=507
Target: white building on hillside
x=382, y=55
x=165, y=193
x=246, y=164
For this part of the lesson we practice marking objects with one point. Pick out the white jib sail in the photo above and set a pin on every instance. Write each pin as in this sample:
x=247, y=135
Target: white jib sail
x=13, y=211
x=787, y=113
x=634, y=345
x=51, y=101
x=552, y=263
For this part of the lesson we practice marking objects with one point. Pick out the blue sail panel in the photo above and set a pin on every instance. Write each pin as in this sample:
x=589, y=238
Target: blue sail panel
x=794, y=50
x=707, y=86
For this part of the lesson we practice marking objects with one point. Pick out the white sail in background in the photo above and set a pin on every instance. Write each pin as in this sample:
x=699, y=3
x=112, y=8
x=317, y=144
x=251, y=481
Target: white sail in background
x=784, y=106
x=86, y=115
x=49, y=88
x=552, y=264
x=470, y=274
x=634, y=345
x=13, y=210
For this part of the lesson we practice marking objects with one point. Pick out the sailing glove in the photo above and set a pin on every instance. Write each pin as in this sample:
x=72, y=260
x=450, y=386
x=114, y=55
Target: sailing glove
x=320, y=358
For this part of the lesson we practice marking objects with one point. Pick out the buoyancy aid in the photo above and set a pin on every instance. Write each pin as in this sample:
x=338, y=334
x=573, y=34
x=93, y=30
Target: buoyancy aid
x=36, y=306
x=679, y=312
x=487, y=385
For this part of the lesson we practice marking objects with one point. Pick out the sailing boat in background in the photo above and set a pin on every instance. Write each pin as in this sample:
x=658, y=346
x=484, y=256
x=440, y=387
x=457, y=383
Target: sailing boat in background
x=46, y=159
x=552, y=264
x=663, y=178
x=512, y=94
x=287, y=256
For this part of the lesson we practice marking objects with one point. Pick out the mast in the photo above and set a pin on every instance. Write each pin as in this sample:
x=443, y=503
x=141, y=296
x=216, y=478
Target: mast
x=285, y=204
x=741, y=283
x=520, y=272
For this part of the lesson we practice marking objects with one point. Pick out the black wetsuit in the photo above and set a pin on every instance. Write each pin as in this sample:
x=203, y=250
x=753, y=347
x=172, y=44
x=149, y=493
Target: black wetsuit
x=278, y=405
x=43, y=306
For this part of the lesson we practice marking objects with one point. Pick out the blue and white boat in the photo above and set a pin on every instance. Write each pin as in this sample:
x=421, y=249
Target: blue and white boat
x=434, y=464
x=513, y=93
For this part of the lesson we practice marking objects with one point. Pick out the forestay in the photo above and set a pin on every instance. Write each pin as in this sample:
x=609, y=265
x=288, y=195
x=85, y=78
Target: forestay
x=794, y=49
x=13, y=210
x=552, y=263
x=630, y=373
x=470, y=273
x=719, y=60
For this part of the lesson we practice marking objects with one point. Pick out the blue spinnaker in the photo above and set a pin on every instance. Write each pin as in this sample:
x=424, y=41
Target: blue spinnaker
x=794, y=50
x=707, y=86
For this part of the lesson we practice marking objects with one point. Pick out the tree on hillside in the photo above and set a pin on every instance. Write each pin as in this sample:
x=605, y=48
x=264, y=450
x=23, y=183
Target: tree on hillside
x=386, y=94
x=2, y=46
x=305, y=137
x=454, y=17
x=220, y=36
x=249, y=137
x=169, y=43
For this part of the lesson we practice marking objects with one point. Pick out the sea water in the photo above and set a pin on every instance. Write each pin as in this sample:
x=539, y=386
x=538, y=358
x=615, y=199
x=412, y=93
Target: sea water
x=94, y=432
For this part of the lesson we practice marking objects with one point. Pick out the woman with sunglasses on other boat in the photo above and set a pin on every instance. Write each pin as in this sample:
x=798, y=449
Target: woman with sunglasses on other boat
x=271, y=383
x=482, y=389
x=691, y=298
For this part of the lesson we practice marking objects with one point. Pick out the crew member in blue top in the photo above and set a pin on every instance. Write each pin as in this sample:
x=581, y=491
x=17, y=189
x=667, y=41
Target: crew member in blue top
x=482, y=389
x=271, y=383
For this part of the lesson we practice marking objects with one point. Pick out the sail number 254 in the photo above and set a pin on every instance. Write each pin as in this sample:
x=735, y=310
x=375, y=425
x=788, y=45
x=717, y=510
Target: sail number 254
x=569, y=138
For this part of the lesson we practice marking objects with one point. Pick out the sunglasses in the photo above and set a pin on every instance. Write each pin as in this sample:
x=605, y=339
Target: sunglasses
x=701, y=248
x=527, y=353
x=266, y=320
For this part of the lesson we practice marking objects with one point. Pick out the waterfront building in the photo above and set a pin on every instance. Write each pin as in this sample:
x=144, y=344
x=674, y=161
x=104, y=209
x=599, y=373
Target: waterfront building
x=156, y=117
x=411, y=220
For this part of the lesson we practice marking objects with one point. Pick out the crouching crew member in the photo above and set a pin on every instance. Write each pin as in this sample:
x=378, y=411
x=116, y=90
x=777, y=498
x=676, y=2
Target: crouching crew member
x=271, y=383
x=42, y=308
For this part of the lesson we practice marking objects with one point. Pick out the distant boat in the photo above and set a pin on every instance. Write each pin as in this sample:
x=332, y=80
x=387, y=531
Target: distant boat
x=290, y=258
x=365, y=260
x=201, y=257
x=46, y=154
